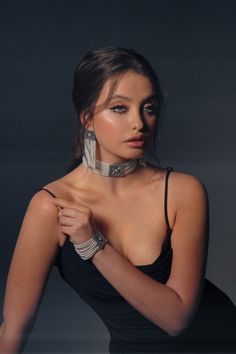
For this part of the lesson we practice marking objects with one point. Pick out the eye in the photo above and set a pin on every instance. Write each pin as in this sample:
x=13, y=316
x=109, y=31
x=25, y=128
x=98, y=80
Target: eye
x=120, y=108
x=151, y=108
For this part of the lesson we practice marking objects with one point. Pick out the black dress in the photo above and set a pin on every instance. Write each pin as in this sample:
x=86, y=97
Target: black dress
x=129, y=330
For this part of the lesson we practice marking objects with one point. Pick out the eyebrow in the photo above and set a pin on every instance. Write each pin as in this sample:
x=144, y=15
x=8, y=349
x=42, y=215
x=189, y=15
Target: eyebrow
x=129, y=99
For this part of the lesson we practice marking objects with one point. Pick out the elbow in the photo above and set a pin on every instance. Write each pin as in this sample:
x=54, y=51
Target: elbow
x=176, y=331
x=178, y=326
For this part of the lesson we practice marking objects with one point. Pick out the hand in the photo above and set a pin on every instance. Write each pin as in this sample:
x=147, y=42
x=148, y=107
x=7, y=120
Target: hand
x=76, y=220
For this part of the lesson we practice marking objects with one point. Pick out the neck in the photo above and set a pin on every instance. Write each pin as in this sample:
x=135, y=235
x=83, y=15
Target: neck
x=111, y=186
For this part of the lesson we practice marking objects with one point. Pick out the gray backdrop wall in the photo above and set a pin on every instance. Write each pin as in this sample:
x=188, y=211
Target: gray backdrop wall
x=192, y=46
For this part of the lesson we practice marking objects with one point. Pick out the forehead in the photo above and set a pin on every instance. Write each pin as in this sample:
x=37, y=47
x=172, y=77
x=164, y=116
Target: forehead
x=130, y=84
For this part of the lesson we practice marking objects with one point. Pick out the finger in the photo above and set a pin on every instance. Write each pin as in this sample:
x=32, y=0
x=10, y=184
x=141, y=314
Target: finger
x=66, y=231
x=69, y=212
x=64, y=221
x=62, y=203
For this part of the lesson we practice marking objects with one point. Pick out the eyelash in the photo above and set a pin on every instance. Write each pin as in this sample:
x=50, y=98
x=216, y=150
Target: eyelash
x=117, y=107
x=125, y=108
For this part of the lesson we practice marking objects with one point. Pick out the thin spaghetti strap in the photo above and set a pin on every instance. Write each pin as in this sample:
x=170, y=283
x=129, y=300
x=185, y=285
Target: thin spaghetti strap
x=169, y=169
x=49, y=192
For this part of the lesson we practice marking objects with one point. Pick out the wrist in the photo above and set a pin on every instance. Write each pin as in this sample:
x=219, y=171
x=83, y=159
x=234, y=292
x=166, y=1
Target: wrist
x=99, y=252
x=86, y=250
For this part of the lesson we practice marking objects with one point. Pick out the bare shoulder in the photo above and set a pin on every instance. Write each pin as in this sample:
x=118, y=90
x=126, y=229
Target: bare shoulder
x=41, y=217
x=41, y=204
x=178, y=182
x=184, y=190
x=41, y=211
x=187, y=197
x=186, y=187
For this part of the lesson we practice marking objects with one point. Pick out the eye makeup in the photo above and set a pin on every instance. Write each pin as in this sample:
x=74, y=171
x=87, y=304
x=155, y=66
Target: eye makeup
x=119, y=108
x=150, y=108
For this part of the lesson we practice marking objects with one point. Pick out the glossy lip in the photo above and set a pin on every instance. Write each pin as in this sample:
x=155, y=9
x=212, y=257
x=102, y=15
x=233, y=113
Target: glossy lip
x=136, y=138
x=136, y=143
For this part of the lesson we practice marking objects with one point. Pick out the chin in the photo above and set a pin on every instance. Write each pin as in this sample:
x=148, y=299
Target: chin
x=135, y=155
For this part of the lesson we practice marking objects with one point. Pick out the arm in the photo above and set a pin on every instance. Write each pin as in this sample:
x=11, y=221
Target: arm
x=32, y=260
x=171, y=306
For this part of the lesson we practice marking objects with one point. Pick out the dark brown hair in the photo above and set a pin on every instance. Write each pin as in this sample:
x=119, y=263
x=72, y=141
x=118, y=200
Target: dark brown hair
x=89, y=78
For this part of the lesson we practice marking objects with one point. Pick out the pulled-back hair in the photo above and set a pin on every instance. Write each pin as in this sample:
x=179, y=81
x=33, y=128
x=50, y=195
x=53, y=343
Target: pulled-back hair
x=92, y=73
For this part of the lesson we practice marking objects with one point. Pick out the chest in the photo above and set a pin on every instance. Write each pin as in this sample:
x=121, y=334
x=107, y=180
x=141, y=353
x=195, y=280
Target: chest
x=134, y=226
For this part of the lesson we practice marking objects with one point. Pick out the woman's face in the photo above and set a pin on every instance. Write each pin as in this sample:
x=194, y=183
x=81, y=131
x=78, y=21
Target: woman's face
x=130, y=114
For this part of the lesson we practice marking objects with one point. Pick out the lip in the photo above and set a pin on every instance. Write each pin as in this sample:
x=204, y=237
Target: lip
x=136, y=143
x=136, y=138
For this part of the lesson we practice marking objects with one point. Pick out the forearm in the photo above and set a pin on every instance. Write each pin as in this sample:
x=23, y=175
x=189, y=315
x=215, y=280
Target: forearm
x=156, y=301
x=12, y=340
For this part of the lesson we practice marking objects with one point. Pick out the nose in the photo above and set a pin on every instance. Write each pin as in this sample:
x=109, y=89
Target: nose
x=137, y=121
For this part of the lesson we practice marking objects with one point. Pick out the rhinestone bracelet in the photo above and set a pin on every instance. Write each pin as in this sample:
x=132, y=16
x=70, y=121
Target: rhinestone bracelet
x=87, y=249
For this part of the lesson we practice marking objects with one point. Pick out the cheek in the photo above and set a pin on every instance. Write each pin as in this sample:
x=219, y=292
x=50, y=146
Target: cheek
x=105, y=123
x=151, y=122
x=105, y=130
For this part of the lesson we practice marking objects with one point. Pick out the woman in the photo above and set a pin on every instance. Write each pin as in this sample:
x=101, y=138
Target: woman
x=130, y=237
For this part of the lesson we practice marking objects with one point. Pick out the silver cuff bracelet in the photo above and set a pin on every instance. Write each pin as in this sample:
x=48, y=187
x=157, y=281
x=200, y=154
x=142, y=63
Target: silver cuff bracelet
x=87, y=249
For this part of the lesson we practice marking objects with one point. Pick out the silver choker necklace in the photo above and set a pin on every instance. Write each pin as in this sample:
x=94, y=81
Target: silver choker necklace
x=103, y=168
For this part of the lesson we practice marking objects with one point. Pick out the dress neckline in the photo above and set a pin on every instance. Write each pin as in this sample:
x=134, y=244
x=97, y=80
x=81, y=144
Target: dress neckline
x=164, y=247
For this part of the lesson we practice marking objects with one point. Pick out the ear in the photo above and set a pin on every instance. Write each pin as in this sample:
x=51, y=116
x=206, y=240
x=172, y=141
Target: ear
x=88, y=124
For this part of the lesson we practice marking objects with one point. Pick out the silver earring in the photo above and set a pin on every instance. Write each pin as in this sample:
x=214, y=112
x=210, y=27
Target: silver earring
x=90, y=148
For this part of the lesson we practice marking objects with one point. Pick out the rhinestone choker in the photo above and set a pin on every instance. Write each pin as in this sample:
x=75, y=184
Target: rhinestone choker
x=113, y=170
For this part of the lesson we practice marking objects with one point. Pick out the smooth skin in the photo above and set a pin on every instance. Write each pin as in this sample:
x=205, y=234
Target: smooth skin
x=129, y=211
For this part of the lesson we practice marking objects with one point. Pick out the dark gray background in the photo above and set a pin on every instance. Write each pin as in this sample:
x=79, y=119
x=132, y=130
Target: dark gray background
x=192, y=46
